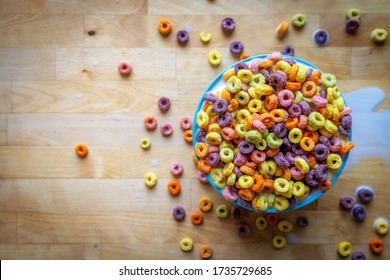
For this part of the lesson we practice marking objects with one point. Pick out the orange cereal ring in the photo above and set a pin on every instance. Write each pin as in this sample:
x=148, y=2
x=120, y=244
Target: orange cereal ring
x=205, y=105
x=196, y=218
x=271, y=102
x=268, y=185
x=293, y=73
x=205, y=252
x=205, y=204
x=226, y=95
x=376, y=245
x=315, y=77
x=313, y=135
x=312, y=160
x=233, y=105
x=323, y=111
x=267, y=119
x=187, y=135
x=248, y=122
x=291, y=123
x=164, y=26
x=81, y=150
x=174, y=187
x=247, y=170
x=266, y=63
x=325, y=185
x=194, y=158
x=228, y=74
x=286, y=174
x=309, y=89
x=150, y=122
x=243, y=56
x=282, y=28
x=258, y=183
x=204, y=166
x=346, y=148
x=293, y=86
x=272, y=152
x=307, y=144
x=246, y=194
x=201, y=149
x=254, y=202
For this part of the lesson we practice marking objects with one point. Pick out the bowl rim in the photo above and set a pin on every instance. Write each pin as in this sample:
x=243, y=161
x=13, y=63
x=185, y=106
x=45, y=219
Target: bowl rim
x=299, y=204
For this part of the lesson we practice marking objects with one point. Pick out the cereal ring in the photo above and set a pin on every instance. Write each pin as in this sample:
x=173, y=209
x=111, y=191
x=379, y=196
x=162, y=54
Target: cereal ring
x=347, y=202
x=202, y=177
x=288, y=50
x=174, y=187
x=381, y=226
x=201, y=150
x=281, y=203
x=282, y=28
x=302, y=165
x=243, y=230
x=166, y=129
x=238, y=213
x=215, y=57
x=205, y=37
x=364, y=194
x=124, y=68
x=187, y=135
x=353, y=13
x=298, y=189
x=344, y=248
x=222, y=211
x=358, y=213
x=205, y=204
x=328, y=80
x=376, y=246
x=358, y=255
x=279, y=241
x=150, y=122
x=299, y=20
x=233, y=84
x=230, y=194
x=334, y=161
x=81, y=150
x=164, y=103
x=164, y=26
x=320, y=37
x=196, y=218
x=244, y=75
x=228, y=25
x=352, y=25
x=302, y=221
x=205, y=252
x=185, y=123
x=236, y=47
x=309, y=89
x=285, y=226
x=145, y=143
x=378, y=36
x=186, y=244
x=176, y=168
x=307, y=144
x=182, y=36
x=243, y=56
x=150, y=179
x=179, y=213
x=261, y=223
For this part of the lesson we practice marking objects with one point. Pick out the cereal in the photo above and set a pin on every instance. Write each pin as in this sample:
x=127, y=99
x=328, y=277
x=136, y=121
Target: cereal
x=81, y=150
x=243, y=56
x=285, y=226
x=164, y=103
x=344, y=248
x=243, y=229
x=272, y=219
x=176, y=168
x=376, y=246
x=205, y=204
x=145, y=143
x=205, y=252
x=288, y=50
x=298, y=20
x=228, y=25
x=282, y=28
x=381, y=226
x=185, y=123
x=124, y=68
x=352, y=25
x=214, y=57
x=364, y=194
x=279, y=241
x=186, y=244
x=378, y=36
x=358, y=255
x=150, y=179
x=238, y=213
x=196, y=218
x=205, y=37
x=302, y=221
x=353, y=13
x=236, y=47
x=166, y=129
x=187, y=135
x=150, y=122
x=164, y=26
x=222, y=211
x=179, y=213
x=182, y=37
x=321, y=37
x=174, y=187
x=347, y=202
x=358, y=213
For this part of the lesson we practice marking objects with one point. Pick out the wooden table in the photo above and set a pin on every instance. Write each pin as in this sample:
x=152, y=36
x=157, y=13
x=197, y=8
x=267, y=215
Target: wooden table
x=59, y=86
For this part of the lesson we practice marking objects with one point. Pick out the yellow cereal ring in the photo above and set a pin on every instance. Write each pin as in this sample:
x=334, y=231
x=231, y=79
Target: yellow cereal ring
x=344, y=248
x=298, y=189
x=186, y=244
x=213, y=138
x=202, y=119
x=245, y=181
x=205, y=37
x=281, y=203
x=334, y=161
x=261, y=223
x=285, y=226
x=245, y=75
x=281, y=185
x=302, y=165
x=215, y=57
x=283, y=66
x=150, y=179
x=279, y=241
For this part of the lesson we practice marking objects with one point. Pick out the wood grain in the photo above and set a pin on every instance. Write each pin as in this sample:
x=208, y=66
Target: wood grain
x=5, y=96
x=3, y=129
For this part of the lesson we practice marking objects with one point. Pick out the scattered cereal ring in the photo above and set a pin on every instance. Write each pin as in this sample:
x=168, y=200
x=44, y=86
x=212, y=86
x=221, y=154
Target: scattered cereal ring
x=347, y=202
x=261, y=223
x=179, y=213
x=344, y=248
x=150, y=122
x=238, y=213
x=236, y=47
x=150, y=179
x=282, y=28
x=228, y=25
x=381, y=226
x=302, y=221
x=124, y=68
x=174, y=187
x=364, y=194
x=352, y=25
x=182, y=37
x=358, y=213
x=145, y=143
x=81, y=150
x=187, y=135
x=279, y=241
x=272, y=219
x=196, y=218
x=205, y=252
x=376, y=246
x=243, y=229
x=186, y=244
x=164, y=103
x=298, y=20
x=185, y=122
x=215, y=57
x=378, y=36
x=205, y=37
x=358, y=255
x=164, y=26
x=288, y=50
x=285, y=226
x=205, y=204
x=222, y=211
x=166, y=129
x=176, y=168
x=243, y=56
x=353, y=13
x=321, y=37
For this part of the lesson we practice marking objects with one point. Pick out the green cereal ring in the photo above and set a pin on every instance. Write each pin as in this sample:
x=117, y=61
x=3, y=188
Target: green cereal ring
x=298, y=189
x=255, y=105
x=262, y=145
x=273, y=141
x=336, y=92
x=253, y=136
x=283, y=66
x=257, y=79
x=233, y=84
x=285, y=226
x=231, y=180
x=295, y=135
x=281, y=185
x=262, y=203
x=150, y=179
x=316, y=120
x=378, y=36
x=226, y=155
x=222, y=211
x=353, y=13
x=330, y=126
x=328, y=80
x=298, y=20
x=302, y=165
x=279, y=241
x=215, y=57
x=263, y=168
x=241, y=115
x=281, y=203
x=254, y=92
x=272, y=167
x=245, y=75
x=186, y=244
x=344, y=248
x=245, y=181
x=240, y=130
x=261, y=223
x=334, y=161
x=242, y=97
x=216, y=174
x=220, y=184
x=145, y=143
x=226, y=144
x=202, y=119
x=298, y=96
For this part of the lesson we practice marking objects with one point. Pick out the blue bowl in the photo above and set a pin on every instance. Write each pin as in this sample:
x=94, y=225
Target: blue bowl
x=217, y=84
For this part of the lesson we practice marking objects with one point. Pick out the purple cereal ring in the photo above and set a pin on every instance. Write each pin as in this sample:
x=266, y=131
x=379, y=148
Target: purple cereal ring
x=320, y=37
x=202, y=177
x=294, y=110
x=306, y=110
x=324, y=140
x=245, y=147
x=164, y=103
x=220, y=106
x=236, y=47
x=240, y=66
x=352, y=25
x=228, y=25
x=291, y=157
x=292, y=202
x=286, y=98
x=225, y=119
x=229, y=194
x=214, y=159
x=347, y=202
x=296, y=174
x=289, y=60
x=321, y=173
x=243, y=230
x=364, y=194
x=179, y=213
x=239, y=159
x=278, y=79
x=238, y=213
x=182, y=36
x=346, y=122
x=200, y=136
x=335, y=144
x=297, y=149
x=244, y=203
x=320, y=151
x=310, y=178
x=254, y=66
x=288, y=50
x=343, y=131
x=302, y=221
x=308, y=74
x=358, y=213
x=323, y=93
x=237, y=171
x=176, y=168
x=345, y=111
x=280, y=129
x=210, y=97
x=166, y=129
x=286, y=146
x=358, y=255
x=319, y=101
x=281, y=160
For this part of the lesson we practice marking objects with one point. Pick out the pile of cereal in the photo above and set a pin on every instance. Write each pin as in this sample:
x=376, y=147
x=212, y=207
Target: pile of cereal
x=275, y=132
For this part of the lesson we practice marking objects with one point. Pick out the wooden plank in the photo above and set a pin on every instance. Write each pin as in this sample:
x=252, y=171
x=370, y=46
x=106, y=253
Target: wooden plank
x=209, y=7
x=27, y=64
x=374, y=60
x=3, y=129
x=102, y=64
x=73, y=7
x=90, y=96
x=5, y=96
x=8, y=196
x=58, y=162
x=42, y=251
x=7, y=227
x=48, y=31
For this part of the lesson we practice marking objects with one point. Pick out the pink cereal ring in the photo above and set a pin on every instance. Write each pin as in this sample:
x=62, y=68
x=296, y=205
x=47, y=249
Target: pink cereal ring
x=124, y=68
x=302, y=121
x=258, y=156
x=346, y=111
x=254, y=66
x=244, y=87
x=286, y=98
x=258, y=125
x=229, y=194
x=166, y=129
x=212, y=149
x=319, y=101
x=202, y=177
x=275, y=57
x=185, y=123
x=296, y=174
x=176, y=168
x=228, y=133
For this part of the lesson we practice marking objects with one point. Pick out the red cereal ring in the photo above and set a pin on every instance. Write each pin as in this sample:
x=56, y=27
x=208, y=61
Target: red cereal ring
x=325, y=185
x=81, y=150
x=174, y=187
x=124, y=68
x=272, y=219
x=196, y=218
x=376, y=245
x=150, y=122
